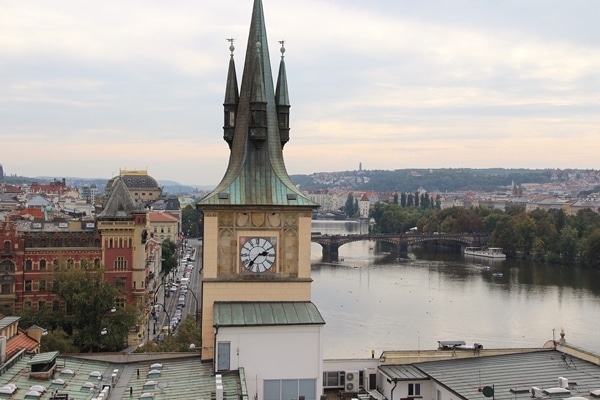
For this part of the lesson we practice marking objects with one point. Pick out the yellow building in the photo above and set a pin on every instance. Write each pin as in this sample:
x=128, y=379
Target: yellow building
x=163, y=226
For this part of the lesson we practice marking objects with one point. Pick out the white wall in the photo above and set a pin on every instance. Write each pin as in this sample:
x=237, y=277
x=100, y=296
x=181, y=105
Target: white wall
x=275, y=352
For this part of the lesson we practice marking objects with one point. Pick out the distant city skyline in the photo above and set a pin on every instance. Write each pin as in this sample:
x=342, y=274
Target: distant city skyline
x=89, y=89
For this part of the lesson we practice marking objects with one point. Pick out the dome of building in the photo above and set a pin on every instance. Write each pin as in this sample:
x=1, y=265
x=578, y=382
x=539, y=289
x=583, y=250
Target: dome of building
x=140, y=184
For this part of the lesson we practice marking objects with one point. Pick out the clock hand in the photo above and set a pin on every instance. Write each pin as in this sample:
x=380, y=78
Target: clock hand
x=264, y=254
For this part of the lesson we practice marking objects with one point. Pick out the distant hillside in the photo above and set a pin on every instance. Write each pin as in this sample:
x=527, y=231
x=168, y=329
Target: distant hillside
x=433, y=180
x=402, y=180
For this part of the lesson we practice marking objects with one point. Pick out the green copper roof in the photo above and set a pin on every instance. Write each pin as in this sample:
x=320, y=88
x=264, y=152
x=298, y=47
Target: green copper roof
x=256, y=174
x=266, y=313
x=43, y=358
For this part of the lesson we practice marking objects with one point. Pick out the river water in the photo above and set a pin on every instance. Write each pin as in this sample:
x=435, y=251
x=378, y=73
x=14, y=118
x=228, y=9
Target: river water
x=375, y=300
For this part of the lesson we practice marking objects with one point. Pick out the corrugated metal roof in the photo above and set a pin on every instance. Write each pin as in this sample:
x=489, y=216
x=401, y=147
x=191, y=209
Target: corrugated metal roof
x=266, y=313
x=403, y=372
x=43, y=358
x=512, y=376
x=7, y=321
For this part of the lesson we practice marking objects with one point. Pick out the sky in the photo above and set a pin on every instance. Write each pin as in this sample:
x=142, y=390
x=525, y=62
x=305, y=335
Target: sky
x=91, y=87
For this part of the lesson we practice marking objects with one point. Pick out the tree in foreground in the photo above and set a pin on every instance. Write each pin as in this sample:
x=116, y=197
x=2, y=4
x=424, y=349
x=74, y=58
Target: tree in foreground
x=94, y=318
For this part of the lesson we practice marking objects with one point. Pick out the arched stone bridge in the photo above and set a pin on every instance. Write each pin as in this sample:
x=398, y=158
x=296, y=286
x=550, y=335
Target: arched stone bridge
x=332, y=243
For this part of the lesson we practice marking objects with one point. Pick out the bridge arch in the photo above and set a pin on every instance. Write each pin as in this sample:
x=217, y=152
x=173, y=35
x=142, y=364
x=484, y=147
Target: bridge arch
x=332, y=243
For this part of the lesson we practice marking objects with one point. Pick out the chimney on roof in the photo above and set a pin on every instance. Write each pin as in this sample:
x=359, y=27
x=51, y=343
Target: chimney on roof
x=2, y=350
x=219, y=386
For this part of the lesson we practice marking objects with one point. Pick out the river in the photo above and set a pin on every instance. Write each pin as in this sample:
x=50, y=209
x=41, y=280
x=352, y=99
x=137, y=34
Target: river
x=373, y=300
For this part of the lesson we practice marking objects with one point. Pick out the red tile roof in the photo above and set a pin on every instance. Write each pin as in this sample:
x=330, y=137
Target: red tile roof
x=19, y=342
x=161, y=217
x=34, y=212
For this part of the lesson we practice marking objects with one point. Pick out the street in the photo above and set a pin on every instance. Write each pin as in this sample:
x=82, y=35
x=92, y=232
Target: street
x=166, y=300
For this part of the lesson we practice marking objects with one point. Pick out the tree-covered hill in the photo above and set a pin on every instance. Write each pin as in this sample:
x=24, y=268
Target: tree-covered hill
x=434, y=180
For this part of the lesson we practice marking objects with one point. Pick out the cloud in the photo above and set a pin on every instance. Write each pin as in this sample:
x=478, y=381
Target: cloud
x=392, y=84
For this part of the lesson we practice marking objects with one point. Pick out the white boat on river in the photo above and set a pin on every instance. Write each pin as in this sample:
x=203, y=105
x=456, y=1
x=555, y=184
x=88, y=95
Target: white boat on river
x=490, y=252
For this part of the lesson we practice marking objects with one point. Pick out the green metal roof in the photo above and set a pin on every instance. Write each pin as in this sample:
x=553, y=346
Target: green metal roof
x=256, y=173
x=7, y=321
x=43, y=358
x=266, y=313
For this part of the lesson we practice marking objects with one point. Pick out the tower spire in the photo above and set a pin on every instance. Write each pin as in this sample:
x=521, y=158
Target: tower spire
x=232, y=98
x=282, y=100
x=256, y=173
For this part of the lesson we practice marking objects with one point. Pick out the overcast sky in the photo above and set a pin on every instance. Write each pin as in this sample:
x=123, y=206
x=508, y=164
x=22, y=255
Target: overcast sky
x=91, y=87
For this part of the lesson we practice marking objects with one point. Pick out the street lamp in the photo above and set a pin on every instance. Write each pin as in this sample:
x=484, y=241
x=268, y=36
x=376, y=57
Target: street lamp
x=168, y=317
x=195, y=298
x=112, y=327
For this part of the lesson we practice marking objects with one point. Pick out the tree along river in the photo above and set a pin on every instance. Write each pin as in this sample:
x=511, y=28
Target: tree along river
x=374, y=300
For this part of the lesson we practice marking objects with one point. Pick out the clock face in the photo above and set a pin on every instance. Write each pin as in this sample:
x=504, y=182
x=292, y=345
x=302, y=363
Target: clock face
x=257, y=254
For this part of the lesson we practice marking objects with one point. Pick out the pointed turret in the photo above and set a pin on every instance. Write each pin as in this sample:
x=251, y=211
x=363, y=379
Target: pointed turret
x=120, y=204
x=232, y=99
x=282, y=100
x=257, y=127
x=256, y=174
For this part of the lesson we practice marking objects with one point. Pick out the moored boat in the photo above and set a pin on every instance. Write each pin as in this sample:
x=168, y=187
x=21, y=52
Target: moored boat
x=490, y=252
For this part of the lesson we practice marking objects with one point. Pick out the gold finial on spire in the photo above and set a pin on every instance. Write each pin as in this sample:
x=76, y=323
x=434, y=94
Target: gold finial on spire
x=231, y=46
x=282, y=50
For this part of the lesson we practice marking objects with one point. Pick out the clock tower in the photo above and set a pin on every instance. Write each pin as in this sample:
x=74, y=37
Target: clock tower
x=257, y=224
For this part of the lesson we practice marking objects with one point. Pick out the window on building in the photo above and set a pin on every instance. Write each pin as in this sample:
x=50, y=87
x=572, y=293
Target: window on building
x=333, y=378
x=42, y=265
x=7, y=266
x=70, y=263
x=6, y=288
x=414, y=389
x=56, y=243
x=289, y=389
x=42, y=242
x=121, y=264
x=155, y=230
x=7, y=246
x=55, y=263
x=42, y=305
x=28, y=265
x=42, y=286
x=55, y=305
x=28, y=285
x=162, y=229
x=27, y=303
x=96, y=263
x=120, y=282
x=169, y=229
x=120, y=303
